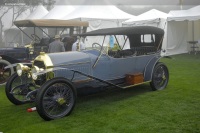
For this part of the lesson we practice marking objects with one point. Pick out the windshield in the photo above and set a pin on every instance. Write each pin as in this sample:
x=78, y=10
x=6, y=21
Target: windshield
x=109, y=42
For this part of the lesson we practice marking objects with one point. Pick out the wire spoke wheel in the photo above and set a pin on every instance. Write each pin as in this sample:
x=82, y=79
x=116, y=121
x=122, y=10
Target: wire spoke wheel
x=160, y=77
x=4, y=73
x=56, y=99
x=17, y=88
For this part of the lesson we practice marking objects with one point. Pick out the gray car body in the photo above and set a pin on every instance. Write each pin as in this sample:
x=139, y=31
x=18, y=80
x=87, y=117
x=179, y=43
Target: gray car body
x=94, y=64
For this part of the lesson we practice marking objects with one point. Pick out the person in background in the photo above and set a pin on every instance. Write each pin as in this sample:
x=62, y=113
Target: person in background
x=111, y=41
x=56, y=46
x=75, y=46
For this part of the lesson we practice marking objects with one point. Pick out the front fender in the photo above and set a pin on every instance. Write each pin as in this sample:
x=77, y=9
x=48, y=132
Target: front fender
x=150, y=67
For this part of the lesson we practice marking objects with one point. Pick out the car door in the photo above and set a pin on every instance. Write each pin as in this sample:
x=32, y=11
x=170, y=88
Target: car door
x=102, y=68
x=122, y=66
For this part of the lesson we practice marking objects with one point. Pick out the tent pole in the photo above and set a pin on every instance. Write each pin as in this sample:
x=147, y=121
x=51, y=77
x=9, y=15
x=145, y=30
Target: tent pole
x=44, y=32
x=22, y=38
x=193, y=30
x=25, y=33
x=181, y=4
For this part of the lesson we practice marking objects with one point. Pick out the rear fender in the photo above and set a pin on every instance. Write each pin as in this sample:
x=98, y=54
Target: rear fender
x=6, y=63
x=148, y=71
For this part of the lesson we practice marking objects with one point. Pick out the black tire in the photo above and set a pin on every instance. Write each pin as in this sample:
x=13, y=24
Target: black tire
x=5, y=73
x=18, y=96
x=160, y=77
x=56, y=99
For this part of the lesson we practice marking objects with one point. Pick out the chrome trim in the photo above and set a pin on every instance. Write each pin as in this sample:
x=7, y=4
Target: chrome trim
x=13, y=65
x=135, y=84
x=83, y=81
x=77, y=63
x=153, y=65
x=132, y=56
x=100, y=54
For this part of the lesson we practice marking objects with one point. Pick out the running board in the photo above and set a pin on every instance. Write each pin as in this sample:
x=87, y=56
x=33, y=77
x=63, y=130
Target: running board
x=125, y=86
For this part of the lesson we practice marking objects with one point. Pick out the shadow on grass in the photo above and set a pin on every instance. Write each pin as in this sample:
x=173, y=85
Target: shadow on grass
x=114, y=94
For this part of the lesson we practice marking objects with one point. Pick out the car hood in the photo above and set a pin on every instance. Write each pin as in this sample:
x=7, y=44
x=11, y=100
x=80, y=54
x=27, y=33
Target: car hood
x=63, y=58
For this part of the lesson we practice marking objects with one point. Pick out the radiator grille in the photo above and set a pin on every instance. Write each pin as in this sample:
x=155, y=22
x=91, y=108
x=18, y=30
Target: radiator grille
x=39, y=64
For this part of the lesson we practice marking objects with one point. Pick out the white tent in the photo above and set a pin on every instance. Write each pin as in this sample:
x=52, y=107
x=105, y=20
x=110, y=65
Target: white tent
x=182, y=26
x=38, y=13
x=13, y=35
x=98, y=16
x=152, y=17
x=61, y=9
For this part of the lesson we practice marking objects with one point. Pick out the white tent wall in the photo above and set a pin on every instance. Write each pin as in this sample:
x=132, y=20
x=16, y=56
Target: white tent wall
x=12, y=37
x=190, y=31
x=177, y=35
x=194, y=30
x=183, y=26
x=194, y=33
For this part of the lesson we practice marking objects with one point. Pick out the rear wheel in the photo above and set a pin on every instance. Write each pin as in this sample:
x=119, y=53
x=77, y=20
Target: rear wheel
x=160, y=77
x=5, y=73
x=56, y=99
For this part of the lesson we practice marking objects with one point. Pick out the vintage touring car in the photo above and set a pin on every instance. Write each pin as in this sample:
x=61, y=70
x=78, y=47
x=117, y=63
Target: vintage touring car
x=54, y=78
x=65, y=28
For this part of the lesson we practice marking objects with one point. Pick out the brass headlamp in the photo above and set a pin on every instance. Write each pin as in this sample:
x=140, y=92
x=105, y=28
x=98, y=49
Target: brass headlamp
x=22, y=69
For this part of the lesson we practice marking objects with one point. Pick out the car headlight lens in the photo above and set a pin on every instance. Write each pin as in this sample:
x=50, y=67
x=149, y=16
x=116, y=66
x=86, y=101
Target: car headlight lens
x=34, y=76
x=19, y=69
x=34, y=71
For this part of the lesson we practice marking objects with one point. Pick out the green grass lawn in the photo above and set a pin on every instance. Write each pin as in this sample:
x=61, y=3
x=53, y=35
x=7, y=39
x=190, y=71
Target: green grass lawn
x=175, y=109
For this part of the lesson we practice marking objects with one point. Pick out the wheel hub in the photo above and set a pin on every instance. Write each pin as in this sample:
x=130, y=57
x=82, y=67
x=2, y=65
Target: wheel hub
x=1, y=71
x=163, y=77
x=61, y=101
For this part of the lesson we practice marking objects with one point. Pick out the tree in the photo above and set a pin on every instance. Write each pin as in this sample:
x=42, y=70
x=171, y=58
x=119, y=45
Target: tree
x=3, y=11
x=49, y=4
x=17, y=7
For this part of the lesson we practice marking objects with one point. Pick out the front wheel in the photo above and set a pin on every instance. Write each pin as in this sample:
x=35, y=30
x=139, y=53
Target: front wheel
x=160, y=77
x=5, y=73
x=17, y=87
x=56, y=99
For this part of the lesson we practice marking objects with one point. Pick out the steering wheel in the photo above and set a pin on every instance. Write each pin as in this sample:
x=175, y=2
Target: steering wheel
x=94, y=45
x=36, y=38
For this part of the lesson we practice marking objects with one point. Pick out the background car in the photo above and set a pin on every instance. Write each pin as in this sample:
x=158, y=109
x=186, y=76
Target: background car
x=38, y=44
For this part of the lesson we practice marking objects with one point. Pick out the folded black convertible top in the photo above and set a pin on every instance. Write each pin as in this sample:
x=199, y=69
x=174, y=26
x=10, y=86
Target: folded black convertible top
x=125, y=31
